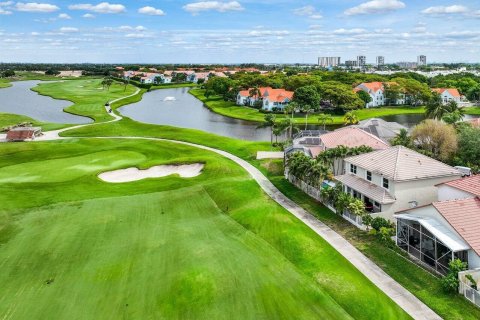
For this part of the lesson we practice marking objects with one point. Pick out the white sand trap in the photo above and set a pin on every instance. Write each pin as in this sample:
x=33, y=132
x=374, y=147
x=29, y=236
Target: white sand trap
x=134, y=174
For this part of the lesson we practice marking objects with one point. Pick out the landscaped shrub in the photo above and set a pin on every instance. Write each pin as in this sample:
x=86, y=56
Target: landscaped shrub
x=450, y=282
x=379, y=222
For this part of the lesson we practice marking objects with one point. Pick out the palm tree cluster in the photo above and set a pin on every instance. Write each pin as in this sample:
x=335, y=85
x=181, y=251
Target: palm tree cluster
x=450, y=112
x=107, y=83
x=327, y=164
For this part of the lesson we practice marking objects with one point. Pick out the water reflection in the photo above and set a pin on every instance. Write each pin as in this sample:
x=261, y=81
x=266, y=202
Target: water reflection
x=19, y=99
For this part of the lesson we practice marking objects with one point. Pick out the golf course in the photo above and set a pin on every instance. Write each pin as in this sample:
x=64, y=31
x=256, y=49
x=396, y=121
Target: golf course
x=210, y=246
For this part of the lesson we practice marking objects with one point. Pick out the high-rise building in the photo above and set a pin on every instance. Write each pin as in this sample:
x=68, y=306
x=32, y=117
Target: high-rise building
x=422, y=61
x=361, y=61
x=328, y=61
x=380, y=60
x=350, y=63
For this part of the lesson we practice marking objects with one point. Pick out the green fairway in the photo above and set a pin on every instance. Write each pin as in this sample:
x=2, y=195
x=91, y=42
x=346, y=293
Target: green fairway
x=88, y=96
x=230, y=109
x=210, y=247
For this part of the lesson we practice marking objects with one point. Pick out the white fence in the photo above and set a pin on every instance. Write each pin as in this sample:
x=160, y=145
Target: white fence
x=466, y=289
x=315, y=193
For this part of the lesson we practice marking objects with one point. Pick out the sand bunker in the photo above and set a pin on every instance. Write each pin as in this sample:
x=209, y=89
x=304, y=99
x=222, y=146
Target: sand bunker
x=134, y=174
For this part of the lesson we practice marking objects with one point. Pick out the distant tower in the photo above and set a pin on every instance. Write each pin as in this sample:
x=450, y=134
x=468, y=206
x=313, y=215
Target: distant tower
x=327, y=62
x=422, y=61
x=361, y=61
x=380, y=61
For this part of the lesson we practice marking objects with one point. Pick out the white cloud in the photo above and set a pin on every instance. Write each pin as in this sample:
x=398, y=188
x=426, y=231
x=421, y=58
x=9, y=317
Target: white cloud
x=64, y=16
x=130, y=28
x=68, y=29
x=35, y=34
x=103, y=7
x=88, y=16
x=6, y=3
x=151, y=11
x=350, y=31
x=5, y=12
x=375, y=6
x=454, y=9
x=196, y=7
x=36, y=7
x=308, y=11
x=137, y=35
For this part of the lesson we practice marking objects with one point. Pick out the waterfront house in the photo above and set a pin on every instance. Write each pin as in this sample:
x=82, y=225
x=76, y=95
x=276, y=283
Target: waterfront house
x=270, y=98
x=381, y=128
x=394, y=179
x=376, y=90
x=448, y=94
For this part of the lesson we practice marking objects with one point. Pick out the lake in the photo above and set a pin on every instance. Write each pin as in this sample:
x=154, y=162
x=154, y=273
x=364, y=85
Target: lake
x=186, y=111
x=19, y=99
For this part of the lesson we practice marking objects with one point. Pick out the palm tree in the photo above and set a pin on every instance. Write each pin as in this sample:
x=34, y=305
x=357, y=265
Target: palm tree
x=435, y=108
x=402, y=139
x=289, y=124
x=270, y=120
x=324, y=118
x=350, y=118
x=307, y=111
x=290, y=108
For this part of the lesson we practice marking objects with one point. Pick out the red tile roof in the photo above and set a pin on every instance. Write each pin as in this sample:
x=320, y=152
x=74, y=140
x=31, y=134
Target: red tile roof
x=468, y=184
x=246, y=93
x=454, y=92
x=278, y=95
x=352, y=137
x=464, y=217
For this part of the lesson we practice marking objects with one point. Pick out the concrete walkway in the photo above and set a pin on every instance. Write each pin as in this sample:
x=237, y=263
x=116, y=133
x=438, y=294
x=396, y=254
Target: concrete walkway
x=269, y=155
x=406, y=300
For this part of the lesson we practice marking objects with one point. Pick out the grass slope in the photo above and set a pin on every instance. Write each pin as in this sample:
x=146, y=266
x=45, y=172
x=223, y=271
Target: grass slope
x=229, y=109
x=88, y=96
x=221, y=249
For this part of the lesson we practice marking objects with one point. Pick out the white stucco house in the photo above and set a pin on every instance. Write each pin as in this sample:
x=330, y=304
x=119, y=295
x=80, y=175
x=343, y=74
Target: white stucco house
x=446, y=229
x=376, y=90
x=394, y=179
x=269, y=97
x=448, y=94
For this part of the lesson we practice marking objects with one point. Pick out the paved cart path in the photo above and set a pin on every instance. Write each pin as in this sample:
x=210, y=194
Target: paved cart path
x=406, y=300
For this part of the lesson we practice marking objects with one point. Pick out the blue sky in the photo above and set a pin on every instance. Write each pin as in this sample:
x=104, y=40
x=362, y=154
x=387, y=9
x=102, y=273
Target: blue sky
x=268, y=31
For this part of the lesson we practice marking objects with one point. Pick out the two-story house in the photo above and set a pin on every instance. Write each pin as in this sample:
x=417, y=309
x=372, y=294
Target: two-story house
x=269, y=97
x=448, y=94
x=376, y=90
x=394, y=179
x=446, y=229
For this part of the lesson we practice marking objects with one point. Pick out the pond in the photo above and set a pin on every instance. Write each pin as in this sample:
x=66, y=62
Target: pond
x=19, y=99
x=176, y=107
x=411, y=120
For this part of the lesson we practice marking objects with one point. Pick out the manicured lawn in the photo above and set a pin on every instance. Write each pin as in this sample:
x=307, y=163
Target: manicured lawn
x=229, y=109
x=88, y=96
x=210, y=247
x=418, y=281
x=4, y=83
x=7, y=119
x=473, y=110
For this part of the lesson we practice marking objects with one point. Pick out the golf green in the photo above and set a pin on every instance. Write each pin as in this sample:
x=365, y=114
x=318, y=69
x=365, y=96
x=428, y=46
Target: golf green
x=210, y=247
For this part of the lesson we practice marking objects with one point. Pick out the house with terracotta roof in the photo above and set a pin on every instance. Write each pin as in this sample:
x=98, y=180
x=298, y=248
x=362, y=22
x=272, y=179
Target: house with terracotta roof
x=439, y=232
x=269, y=97
x=376, y=90
x=276, y=98
x=448, y=94
x=468, y=187
x=381, y=128
x=394, y=179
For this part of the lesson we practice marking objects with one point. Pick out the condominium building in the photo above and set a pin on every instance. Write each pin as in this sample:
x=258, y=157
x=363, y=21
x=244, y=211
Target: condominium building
x=350, y=63
x=380, y=60
x=422, y=61
x=328, y=61
x=361, y=61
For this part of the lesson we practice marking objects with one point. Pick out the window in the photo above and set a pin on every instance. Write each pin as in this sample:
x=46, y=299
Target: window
x=353, y=169
x=385, y=183
x=369, y=176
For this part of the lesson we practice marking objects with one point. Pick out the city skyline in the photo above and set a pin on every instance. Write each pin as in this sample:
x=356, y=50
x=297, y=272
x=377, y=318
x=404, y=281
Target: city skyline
x=148, y=31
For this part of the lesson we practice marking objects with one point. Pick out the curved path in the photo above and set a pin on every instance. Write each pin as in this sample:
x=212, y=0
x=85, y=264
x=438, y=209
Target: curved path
x=406, y=300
